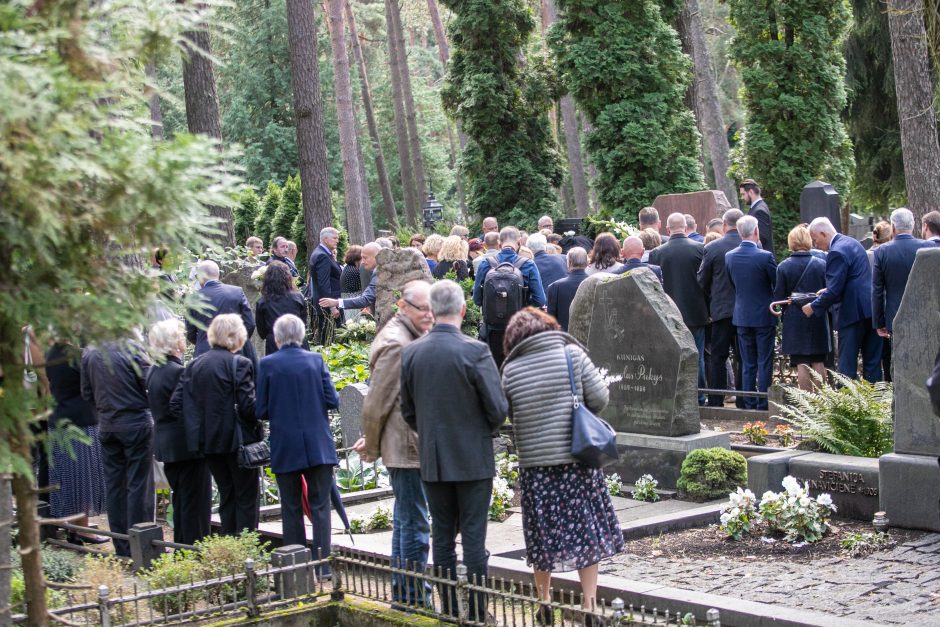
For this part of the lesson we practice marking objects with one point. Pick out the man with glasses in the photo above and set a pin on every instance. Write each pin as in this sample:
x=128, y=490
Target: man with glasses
x=387, y=436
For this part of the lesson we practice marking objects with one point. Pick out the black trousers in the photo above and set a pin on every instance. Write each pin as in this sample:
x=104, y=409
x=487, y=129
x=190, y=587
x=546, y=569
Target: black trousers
x=886, y=359
x=460, y=506
x=319, y=484
x=191, y=485
x=724, y=337
x=238, y=493
x=494, y=339
x=126, y=461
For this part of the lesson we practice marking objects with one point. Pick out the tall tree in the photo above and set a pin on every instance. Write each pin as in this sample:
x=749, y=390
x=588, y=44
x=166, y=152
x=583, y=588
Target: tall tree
x=409, y=190
x=502, y=99
x=308, y=112
x=202, y=110
x=626, y=70
x=358, y=223
x=388, y=200
x=913, y=84
x=153, y=101
x=794, y=134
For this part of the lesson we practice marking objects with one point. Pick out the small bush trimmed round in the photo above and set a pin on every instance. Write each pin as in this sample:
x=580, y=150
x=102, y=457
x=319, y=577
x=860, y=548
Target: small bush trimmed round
x=712, y=473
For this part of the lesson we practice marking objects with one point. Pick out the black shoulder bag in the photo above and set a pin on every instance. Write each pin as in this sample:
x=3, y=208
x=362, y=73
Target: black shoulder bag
x=256, y=454
x=593, y=441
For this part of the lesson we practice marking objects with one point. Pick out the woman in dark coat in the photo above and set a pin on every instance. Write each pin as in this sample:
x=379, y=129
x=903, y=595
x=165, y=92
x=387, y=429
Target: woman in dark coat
x=216, y=396
x=453, y=257
x=187, y=473
x=805, y=340
x=350, y=280
x=295, y=393
x=279, y=296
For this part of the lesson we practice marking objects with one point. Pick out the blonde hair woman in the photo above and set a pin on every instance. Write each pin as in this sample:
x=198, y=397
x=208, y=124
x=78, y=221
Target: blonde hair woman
x=453, y=256
x=432, y=248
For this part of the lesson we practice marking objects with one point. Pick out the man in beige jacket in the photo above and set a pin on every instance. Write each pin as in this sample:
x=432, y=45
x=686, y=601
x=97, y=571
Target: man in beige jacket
x=387, y=436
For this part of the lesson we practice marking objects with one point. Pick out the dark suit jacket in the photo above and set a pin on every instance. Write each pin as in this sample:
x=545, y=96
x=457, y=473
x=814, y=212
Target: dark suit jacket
x=695, y=236
x=633, y=264
x=366, y=299
x=295, y=393
x=561, y=293
x=848, y=283
x=764, y=225
x=268, y=310
x=679, y=259
x=802, y=335
x=323, y=277
x=753, y=273
x=893, y=263
x=169, y=434
x=451, y=395
x=287, y=262
x=713, y=277
x=551, y=267
x=206, y=397
x=222, y=299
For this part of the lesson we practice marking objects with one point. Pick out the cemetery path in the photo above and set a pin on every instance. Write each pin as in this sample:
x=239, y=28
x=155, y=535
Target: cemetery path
x=897, y=586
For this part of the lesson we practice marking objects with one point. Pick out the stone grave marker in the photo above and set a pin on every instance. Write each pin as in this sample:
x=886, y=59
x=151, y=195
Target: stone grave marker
x=859, y=227
x=820, y=200
x=702, y=205
x=242, y=278
x=396, y=268
x=351, y=399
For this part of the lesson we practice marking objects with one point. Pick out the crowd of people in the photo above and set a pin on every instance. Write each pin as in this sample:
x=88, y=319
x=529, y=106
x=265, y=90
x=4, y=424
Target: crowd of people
x=438, y=397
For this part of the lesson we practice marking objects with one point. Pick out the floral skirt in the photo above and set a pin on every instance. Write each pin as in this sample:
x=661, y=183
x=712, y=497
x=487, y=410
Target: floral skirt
x=568, y=519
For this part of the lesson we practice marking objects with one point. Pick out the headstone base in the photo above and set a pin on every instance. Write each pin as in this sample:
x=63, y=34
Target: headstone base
x=909, y=486
x=767, y=471
x=852, y=482
x=660, y=455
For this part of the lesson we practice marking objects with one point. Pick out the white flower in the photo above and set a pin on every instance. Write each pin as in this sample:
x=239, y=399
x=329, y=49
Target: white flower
x=790, y=484
x=824, y=499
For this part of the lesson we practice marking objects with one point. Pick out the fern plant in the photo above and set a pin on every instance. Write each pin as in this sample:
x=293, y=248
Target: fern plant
x=853, y=418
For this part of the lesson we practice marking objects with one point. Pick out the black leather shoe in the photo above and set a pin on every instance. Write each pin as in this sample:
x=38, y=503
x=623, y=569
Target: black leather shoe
x=545, y=615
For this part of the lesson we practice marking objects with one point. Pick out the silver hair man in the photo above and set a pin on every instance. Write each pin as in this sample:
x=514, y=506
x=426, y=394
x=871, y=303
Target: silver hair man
x=447, y=299
x=822, y=225
x=902, y=220
x=577, y=258
x=730, y=218
x=327, y=233
x=536, y=242
x=747, y=226
x=289, y=329
x=207, y=270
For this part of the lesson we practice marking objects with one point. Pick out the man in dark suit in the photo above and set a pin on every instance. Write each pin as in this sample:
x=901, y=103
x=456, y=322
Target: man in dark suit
x=561, y=292
x=451, y=395
x=366, y=300
x=691, y=229
x=632, y=253
x=280, y=251
x=892, y=266
x=848, y=293
x=752, y=273
x=719, y=293
x=220, y=299
x=750, y=195
x=551, y=267
x=930, y=230
x=680, y=258
x=323, y=282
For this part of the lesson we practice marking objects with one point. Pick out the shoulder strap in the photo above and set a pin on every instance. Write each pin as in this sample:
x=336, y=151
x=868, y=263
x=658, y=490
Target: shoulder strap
x=796, y=286
x=238, y=429
x=519, y=262
x=492, y=261
x=574, y=388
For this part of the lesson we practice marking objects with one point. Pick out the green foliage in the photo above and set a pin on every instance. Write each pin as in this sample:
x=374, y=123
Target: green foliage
x=354, y=475
x=500, y=499
x=756, y=432
x=220, y=556
x=791, y=62
x=264, y=220
x=245, y=214
x=54, y=598
x=711, y=473
x=362, y=331
x=381, y=518
x=624, y=66
x=853, y=418
x=474, y=315
x=857, y=544
x=347, y=363
x=795, y=514
x=176, y=569
x=738, y=513
x=59, y=566
x=644, y=489
x=287, y=209
x=614, y=485
x=510, y=164
x=507, y=467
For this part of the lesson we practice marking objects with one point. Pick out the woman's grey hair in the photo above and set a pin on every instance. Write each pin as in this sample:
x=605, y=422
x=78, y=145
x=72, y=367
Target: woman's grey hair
x=165, y=336
x=902, y=220
x=289, y=329
x=746, y=226
x=446, y=299
x=577, y=258
x=536, y=242
x=227, y=331
x=327, y=232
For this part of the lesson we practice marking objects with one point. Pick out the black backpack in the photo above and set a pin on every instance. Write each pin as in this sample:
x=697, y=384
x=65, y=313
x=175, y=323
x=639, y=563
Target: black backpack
x=504, y=291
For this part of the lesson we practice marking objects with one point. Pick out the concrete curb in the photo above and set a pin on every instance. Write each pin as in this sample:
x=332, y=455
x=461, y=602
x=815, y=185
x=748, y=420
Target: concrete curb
x=676, y=521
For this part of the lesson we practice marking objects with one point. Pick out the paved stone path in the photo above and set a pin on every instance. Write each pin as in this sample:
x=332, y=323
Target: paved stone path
x=900, y=586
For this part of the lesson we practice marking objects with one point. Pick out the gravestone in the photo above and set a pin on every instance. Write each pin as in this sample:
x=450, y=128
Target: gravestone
x=820, y=200
x=859, y=227
x=910, y=477
x=396, y=268
x=242, y=278
x=633, y=329
x=351, y=399
x=702, y=205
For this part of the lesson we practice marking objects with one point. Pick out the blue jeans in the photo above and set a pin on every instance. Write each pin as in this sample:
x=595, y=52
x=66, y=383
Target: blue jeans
x=410, y=535
x=698, y=334
x=757, y=360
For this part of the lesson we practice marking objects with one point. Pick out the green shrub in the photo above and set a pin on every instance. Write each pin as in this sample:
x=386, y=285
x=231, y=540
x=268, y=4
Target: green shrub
x=169, y=570
x=59, y=566
x=712, y=473
x=221, y=556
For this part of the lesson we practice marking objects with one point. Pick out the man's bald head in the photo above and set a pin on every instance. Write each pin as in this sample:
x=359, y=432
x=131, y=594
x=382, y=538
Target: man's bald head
x=632, y=248
x=676, y=223
x=207, y=270
x=490, y=225
x=369, y=253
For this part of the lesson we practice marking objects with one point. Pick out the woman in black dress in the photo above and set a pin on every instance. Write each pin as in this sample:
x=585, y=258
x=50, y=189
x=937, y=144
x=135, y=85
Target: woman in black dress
x=279, y=296
x=350, y=281
x=453, y=257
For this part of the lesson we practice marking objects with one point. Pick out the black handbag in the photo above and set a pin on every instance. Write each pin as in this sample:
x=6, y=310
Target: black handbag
x=593, y=441
x=253, y=455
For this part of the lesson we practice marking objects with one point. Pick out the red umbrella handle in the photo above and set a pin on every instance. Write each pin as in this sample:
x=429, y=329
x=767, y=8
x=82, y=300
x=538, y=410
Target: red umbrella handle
x=304, y=500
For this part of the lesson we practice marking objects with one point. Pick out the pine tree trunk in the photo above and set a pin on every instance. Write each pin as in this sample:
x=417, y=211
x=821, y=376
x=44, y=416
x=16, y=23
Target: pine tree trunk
x=26, y=517
x=202, y=110
x=705, y=93
x=912, y=81
x=348, y=141
x=592, y=169
x=308, y=112
x=388, y=200
x=414, y=138
x=153, y=100
x=455, y=166
x=401, y=125
x=364, y=182
x=443, y=49
x=6, y=533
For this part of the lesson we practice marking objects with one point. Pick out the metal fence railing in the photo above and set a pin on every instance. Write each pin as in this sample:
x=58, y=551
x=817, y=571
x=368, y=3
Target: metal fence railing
x=293, y=577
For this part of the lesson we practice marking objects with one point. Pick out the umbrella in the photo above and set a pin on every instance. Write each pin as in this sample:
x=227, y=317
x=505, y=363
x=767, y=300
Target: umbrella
x=335, y=499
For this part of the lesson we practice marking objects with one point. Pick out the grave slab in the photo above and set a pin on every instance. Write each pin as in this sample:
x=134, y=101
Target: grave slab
x=351, y=399
x=909, y=487
x=766, y=472
x=660, y=456
x=703, y=206
x=851, y=481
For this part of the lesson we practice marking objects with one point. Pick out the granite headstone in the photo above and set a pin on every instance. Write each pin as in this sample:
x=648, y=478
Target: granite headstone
x=351, y=399
x=242, y=278
x=633, y=329
x=396, y=268
x=703, y=206
x=820, y=200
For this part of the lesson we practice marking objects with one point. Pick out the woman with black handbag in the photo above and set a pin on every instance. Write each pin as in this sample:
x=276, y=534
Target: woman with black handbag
x=216, y=395
x=568, y=519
